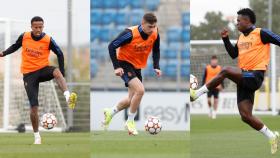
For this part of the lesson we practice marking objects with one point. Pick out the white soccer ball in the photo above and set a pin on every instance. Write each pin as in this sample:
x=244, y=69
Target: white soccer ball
x=193, y=82
x=48, y=121
x=153, y=125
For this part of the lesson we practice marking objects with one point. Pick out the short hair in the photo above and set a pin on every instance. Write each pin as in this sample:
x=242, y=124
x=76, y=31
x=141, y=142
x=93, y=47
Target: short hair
x=150, y=18
x=214, y=57
x=249, y=13
x=36, y=18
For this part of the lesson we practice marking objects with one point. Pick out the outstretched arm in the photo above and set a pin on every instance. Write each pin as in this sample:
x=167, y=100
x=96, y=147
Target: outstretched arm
x=232, y=50
x=60, y=58
x=13, y=47
x=269, y=37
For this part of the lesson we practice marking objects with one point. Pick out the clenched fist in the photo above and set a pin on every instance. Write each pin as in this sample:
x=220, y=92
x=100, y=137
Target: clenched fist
x=224, y=33
x=119, y=71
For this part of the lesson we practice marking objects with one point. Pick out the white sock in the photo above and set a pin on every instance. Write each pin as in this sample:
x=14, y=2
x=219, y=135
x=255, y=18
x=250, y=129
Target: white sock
x=267, y=132
x=210, y=111
x=131, y=116
x=201, y=90
x=214, y=113
x=114, y=110
x=66, y=95
x=37, y=135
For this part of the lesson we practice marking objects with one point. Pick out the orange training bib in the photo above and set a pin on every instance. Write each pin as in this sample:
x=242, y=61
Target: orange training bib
x=252, y=53
x=212, y=72
x=35, y=54
x=138, y=50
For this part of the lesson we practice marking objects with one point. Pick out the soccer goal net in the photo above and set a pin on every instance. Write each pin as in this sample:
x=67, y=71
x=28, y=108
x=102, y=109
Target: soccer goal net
x=266, y=98
x=14, y=104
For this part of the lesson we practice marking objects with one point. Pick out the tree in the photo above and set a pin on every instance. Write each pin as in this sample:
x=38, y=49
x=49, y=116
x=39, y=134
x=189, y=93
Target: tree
x=211, y=28
x=260, y=8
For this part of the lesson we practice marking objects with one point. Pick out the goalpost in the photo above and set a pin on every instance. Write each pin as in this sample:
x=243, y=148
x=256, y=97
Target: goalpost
x=14, y=105
x=266, y=101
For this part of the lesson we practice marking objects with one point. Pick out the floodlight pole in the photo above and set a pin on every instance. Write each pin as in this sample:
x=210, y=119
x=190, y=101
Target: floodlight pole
x=272, y=64
x=7, y=77
x=69, y=58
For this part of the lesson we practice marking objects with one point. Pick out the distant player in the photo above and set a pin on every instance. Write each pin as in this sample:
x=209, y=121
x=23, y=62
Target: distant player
x=36, y=46
x=134, y=46
x=252, y=50
x=210, y=72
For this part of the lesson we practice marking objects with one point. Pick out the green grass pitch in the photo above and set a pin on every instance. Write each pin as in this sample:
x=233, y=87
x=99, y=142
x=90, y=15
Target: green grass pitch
x=229, y=137
x=55, y=145
x=118, y=144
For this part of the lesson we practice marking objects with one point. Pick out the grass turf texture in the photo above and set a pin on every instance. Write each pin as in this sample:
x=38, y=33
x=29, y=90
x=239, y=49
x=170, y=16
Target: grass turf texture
x=229, y=137
x=55, y=145
x=118, y=144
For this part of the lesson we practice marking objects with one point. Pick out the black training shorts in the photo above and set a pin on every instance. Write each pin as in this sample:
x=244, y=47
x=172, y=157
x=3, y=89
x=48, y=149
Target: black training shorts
x=214, y=92
x=32, y=80
x=251, y=81
x=129, y=72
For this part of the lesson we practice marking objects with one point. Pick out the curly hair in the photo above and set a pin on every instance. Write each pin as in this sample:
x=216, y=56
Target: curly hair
x=249, y=13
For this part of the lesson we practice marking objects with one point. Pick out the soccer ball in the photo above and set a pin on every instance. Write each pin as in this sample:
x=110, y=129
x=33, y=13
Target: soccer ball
x=153, y=125
x=48, y=121
x=193, y=82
